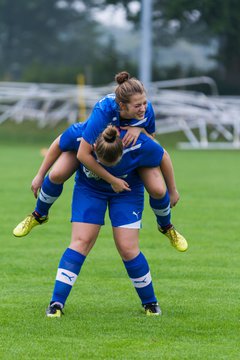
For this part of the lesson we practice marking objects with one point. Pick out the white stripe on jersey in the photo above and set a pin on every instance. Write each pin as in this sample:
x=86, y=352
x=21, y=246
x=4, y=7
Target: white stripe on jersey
x=132, y=148
x=142, y=281
x=66, y=276
x=140, y=122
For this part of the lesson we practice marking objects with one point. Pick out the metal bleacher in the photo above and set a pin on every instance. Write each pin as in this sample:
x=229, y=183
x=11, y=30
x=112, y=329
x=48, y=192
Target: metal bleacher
x=208, y=122
x=47, y=104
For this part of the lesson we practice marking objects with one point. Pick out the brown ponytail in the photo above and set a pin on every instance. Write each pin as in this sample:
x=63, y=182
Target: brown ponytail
x=109, y=145
x=127, y=86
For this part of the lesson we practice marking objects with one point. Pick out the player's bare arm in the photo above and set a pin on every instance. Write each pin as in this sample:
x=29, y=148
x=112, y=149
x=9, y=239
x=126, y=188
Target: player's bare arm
x=51, y=156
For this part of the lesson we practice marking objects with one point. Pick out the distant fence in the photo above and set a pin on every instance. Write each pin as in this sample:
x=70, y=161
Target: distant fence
x=47, y=104
x=208, y=122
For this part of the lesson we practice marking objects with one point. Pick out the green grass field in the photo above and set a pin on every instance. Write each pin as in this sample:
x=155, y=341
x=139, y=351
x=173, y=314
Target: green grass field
x=198, y=291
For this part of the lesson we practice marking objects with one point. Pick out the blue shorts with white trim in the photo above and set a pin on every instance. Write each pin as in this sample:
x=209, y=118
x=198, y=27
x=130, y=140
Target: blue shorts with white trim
x=125, y=208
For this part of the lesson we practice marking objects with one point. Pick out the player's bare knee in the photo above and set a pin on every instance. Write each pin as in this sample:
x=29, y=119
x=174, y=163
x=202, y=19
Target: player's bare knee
x=81, y=244
x=128, y=253
x=157, y=192
x=56, y=177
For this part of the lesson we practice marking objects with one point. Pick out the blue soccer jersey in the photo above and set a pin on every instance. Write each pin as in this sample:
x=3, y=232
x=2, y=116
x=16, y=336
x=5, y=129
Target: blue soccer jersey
x=92, y=195
x=107, y=112
x=145, y=153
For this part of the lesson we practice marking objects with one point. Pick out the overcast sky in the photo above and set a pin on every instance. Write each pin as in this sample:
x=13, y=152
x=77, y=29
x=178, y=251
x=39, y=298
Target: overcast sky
x=182, y=52
x=115, y=15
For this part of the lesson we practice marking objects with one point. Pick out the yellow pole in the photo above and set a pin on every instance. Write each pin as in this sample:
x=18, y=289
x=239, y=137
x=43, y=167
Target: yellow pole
x=81, y=99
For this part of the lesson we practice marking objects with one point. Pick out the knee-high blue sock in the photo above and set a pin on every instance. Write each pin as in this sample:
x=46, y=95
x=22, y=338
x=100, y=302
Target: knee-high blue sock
x=139, y=273
x=49, y=193
x=68, y=270
x=162, y=210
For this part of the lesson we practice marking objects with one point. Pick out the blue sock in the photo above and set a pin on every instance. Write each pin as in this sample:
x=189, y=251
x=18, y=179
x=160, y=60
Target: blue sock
x=139, y=273
x=162, y=210
x=49, y=193
x=68, y=270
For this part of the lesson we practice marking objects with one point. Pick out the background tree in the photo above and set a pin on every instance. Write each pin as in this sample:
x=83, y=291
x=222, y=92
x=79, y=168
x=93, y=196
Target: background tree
x=216, y=19
x=53, y=41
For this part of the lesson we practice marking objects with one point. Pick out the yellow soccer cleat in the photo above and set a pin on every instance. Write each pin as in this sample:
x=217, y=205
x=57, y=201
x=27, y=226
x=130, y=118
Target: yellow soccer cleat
x=152, y=309
x=25, y=226
x=54, y=310
x=176, y=239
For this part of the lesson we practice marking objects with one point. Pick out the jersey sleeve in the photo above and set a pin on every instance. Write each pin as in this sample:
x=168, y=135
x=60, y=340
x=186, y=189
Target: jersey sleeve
x=150, y=126
x=70, y=138
x=96, y=123
x=105, y=112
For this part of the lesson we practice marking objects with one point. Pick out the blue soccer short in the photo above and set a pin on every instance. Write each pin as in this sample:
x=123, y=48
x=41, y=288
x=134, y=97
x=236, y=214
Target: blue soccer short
x=125, y=208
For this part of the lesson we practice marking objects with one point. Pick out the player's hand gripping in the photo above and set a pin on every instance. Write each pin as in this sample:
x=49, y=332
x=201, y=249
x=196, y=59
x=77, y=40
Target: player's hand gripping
x=36, y=184
x=174, y=197
x=120, y=185
x=131, y=135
